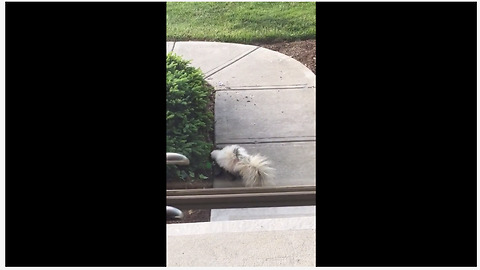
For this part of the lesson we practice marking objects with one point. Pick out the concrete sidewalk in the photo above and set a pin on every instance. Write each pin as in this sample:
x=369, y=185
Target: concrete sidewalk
x=264, y=101
x=268, y=242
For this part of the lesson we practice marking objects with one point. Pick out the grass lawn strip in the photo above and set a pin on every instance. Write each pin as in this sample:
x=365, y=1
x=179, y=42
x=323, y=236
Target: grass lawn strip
x=241, y=22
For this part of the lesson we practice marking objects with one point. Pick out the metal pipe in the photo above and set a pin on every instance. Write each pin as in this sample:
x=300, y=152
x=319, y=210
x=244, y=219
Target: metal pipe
x=177, y=159
x=173, y=213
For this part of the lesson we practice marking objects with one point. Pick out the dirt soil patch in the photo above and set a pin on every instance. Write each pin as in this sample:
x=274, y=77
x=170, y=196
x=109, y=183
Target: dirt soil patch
x=191, y=215
x=304, y=51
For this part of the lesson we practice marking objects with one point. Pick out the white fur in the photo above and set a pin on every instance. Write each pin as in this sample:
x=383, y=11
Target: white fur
x=255, y=170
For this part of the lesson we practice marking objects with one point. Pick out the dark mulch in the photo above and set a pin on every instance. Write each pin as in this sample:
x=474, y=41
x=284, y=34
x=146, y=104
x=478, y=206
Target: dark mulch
x=193, y=215
x=302, y=51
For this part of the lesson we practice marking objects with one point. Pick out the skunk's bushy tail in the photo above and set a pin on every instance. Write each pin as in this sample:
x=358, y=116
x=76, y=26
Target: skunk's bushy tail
x=255, y=171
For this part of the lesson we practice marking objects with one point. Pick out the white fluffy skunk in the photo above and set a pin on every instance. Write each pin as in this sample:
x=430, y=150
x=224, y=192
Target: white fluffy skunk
x=255, y=170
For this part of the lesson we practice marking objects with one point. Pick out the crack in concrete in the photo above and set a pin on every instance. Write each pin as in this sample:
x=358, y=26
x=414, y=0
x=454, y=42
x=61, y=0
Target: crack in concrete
x=227, y=64
x=265, y=142
x=265, y=87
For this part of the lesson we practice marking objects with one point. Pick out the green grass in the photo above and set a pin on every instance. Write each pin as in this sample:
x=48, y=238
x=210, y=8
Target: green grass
x=242, y=22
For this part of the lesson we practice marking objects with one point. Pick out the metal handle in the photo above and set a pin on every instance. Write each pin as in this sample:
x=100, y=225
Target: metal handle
x=177, y=159
x=173, y=213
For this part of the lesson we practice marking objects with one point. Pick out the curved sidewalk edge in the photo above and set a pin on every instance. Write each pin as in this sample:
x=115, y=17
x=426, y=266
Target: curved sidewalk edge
x=234, y=66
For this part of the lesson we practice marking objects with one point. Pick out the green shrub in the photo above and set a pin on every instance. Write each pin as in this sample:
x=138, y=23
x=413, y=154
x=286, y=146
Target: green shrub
x=189, y=120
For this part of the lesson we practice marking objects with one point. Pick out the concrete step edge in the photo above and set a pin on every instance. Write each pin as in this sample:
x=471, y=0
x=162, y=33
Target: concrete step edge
x=277, y=224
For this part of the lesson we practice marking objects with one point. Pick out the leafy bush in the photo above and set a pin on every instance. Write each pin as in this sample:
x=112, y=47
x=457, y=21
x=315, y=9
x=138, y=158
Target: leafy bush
x=189, y=120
